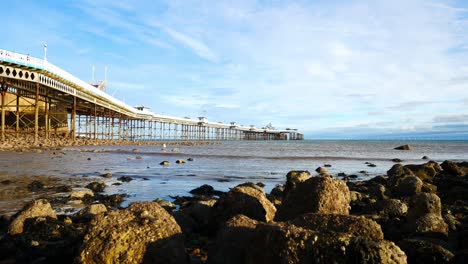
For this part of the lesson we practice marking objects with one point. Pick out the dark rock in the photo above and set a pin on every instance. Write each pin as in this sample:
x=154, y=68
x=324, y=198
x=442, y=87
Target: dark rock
x=180, y=161
x=424, y=203
x=341, y=174
x=425, y=172
x=316, y=195
x=349, y=224
x=327, y=165
x=363, y=172
x=144, y=232
x=138, y=157
x=396, y=160
x=63, y=188
x=35, y=186
x=391, y=208
x=428, y=188
x=293, y=178
x=276, y=195
x=424, y=215
x=408, y=186
x=378, y=179
x=164, y=163
x=423, y=251
x=233, y=241
x=260, y=184
x=125, y=179
x=322, y=171
x=196, y=215
x=404, y=147
x=89, y=158
x=206, y=190
x=90, y=211
x=371, y=165
x=190, y=159
x=286, y=243
x=353, y=176
x=425, y=157
x=367, y=251
x=107, y=175
x=36, y=208
x=246, y=200
x=112, y=200
x=6, y=182
x=452, y=168
x=96, y=186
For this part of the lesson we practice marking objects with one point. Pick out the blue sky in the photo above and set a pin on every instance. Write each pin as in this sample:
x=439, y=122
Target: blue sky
x=337, y=69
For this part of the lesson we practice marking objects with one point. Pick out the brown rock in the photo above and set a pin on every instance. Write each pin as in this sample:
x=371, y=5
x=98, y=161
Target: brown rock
x=391, y=208
x=408, y=186
x=316, y=195
x=396, y=174
x=91, y=211
x=144, y=232
x=404, y=147
x=424, y=203
x=349, y=224
x=293, y=178
x=367, y=251
x=423, y=251
x=36, y=208
x=247, y=200
x=425, y=172
x=233, y=241
x=452, y=168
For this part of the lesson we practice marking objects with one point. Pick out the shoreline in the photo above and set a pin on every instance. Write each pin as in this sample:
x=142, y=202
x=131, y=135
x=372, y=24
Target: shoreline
x=413, y=208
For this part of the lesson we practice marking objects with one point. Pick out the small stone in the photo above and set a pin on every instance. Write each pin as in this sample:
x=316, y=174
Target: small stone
x=180, y=161
x=89, y=158
x=107, y=175
x=125, y=179
x=396, y=160
x=35, y=186
x=425, y=157
x=138, y=157
x=80, y=194
x=190, y=159
x=164, y=163
x=327, y=165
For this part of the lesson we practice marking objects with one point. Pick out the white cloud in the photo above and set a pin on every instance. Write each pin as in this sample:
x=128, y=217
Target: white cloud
x=197, y=46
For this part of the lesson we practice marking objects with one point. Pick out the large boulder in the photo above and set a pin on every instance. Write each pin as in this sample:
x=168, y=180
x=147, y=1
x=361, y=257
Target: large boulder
x=144, y=232
x=424, y=251
x=288, y=243
x=424, y=203
x=452, y=168
x=316, y=195
x=368, y=251
x=425, y=216
x=244, y=199
x=408, y=186
x=425, y=172
x=34, y=209
x=233, y=240
x=391, y=208
x=350, y=224
x=396, y=174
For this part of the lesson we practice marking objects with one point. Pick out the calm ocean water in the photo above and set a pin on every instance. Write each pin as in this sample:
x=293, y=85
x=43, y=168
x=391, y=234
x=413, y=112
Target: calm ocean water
x=223, y=165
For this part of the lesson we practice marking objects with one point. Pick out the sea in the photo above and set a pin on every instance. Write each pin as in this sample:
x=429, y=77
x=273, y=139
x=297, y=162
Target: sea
x=222, y=165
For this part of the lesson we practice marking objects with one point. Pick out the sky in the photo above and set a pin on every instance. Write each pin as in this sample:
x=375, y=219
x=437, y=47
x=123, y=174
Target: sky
x=332, y=69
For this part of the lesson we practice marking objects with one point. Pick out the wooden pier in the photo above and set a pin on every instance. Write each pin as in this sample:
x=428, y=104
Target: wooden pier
x=41, y=99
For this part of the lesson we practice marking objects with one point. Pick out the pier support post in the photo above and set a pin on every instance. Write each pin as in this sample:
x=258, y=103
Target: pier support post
x=36, y=116
x=73, y=120
x=95, y=122
x=17, y=114
x=3, y=92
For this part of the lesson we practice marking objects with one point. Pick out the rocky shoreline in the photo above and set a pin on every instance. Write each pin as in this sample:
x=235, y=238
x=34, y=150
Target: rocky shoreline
x=25, y=142
x=414, y=214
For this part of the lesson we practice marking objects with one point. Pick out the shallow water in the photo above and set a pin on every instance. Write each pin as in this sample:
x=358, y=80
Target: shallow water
x=222, y=165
